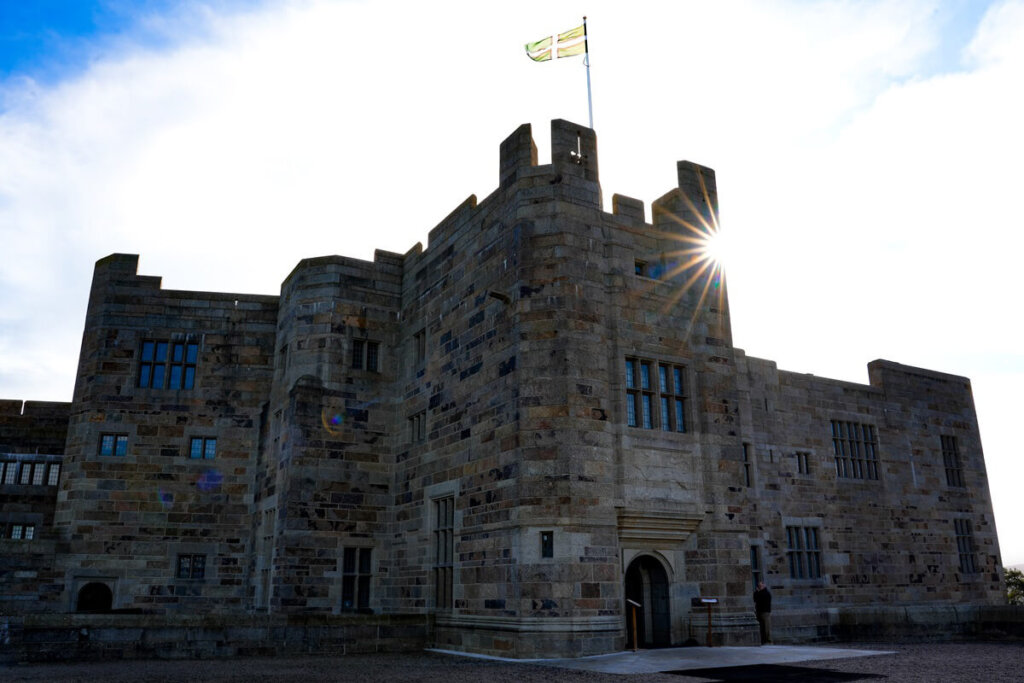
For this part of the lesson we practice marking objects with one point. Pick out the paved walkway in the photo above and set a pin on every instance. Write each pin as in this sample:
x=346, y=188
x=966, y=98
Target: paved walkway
x=686, y=658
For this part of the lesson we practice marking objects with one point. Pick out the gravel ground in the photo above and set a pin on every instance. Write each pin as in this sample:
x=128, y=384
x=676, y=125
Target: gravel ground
x=983, y=662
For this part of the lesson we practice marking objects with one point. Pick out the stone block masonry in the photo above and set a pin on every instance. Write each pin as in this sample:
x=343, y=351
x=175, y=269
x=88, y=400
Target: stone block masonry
x=496, y=444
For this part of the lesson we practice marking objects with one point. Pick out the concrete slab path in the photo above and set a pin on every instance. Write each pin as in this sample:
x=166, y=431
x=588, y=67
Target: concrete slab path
x=686, y=658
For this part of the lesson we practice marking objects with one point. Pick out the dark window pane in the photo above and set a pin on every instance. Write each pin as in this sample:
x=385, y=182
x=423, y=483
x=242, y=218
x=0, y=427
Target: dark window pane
x=358, y=347
x=107, y=444
x=196, y=449
x=364, y=560
x=147, y=350
x=372, y=356
x=349, y=561
x=158, y=377
x=210, y=450
x=192, y=353
x=364, y=592
x=161, y=352
x=179, y=353
x=190, y=378
x=348, y=592
x=175, y=380
x=122, y=445
x=144, y=375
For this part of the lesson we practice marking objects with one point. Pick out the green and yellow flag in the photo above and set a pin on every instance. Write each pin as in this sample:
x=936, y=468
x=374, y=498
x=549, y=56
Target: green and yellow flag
x=567, y=44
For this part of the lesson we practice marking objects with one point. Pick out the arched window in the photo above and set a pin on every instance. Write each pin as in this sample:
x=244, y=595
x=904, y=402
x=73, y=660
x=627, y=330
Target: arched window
x=94, y=597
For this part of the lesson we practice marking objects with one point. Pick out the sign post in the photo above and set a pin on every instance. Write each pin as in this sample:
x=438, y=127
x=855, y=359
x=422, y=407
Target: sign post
x=634, y=605
x=709, y=603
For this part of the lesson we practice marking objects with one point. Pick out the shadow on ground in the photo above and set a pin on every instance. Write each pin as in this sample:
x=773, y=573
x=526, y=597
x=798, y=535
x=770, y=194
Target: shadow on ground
x=774, y=673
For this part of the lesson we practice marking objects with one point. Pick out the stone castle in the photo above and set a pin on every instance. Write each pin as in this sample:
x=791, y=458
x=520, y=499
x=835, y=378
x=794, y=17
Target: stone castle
x=506, y=435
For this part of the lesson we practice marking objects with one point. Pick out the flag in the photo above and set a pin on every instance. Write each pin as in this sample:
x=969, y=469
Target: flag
x=568, y=44
x=539, y=51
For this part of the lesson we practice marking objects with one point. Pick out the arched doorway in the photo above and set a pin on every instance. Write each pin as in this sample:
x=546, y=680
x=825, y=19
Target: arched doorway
x=94, y=597
x=647, y=584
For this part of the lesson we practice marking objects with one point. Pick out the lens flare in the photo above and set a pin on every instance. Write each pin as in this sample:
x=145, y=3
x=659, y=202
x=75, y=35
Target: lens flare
x=332, y=421
x=699, y=261
x=210, y=480
x=166, y=498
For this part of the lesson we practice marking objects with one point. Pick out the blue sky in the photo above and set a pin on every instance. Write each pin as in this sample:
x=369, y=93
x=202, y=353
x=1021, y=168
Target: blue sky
x=48, y=39
x=867, y=156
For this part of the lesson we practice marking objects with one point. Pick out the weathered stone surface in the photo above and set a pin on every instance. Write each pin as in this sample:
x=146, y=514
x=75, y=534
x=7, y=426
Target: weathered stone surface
x=480, y=432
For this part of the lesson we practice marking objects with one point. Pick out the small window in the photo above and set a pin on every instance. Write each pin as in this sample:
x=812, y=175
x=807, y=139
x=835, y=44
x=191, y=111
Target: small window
x=756, y=574
x=191, y=566
x=365, y=355
x=202, y=448
x=803, y=462
x=444, y=551
x=655, y=395
x=38, y=473
x=26, y=473
x=53, y=478
x=856, y=450
x=803, y=552
x=418, y=427
x=547, y=544
x=356, y=575
x=748, y=465
x=114, y=444
x=420, y=345
x=640, y=268
x=951, y=460
x=17, y=530
x=167, y=365
x=10, y=472
x=965, y=545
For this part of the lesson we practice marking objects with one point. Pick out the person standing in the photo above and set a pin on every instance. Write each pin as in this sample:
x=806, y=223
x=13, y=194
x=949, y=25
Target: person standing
x=763, y=611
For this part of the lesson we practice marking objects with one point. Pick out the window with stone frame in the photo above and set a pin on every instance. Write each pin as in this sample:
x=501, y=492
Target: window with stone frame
x=444, y=551
x=951, y=461
x=191, y=566
x=655, y=395
x=803, y=462
x=202, y=448
x=418, y=427
x=356, y=577
x=22, y=532
x=756, y=572
x=965, y=545
x=748, y=465
x=856, y=450
x=168, y=364
x=803, y=552
x=53, y=475
x=419, y=341
x=113, y=444
x=365, y=355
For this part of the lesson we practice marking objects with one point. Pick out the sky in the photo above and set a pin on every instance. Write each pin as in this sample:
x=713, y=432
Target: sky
x=868, y=157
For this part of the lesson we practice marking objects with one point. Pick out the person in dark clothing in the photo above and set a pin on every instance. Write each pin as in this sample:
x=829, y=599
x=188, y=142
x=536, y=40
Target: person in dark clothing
x=763, y=610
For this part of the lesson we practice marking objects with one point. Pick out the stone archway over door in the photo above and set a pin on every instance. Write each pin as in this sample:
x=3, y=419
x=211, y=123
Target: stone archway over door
x=647, y=584
x=94, y=597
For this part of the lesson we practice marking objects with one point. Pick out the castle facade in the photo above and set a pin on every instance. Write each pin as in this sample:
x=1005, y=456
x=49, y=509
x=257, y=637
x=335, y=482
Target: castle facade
x=520, y=432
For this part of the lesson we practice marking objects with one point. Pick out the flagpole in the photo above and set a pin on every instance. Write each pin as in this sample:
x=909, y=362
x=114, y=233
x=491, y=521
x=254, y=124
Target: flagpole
x=586, y=61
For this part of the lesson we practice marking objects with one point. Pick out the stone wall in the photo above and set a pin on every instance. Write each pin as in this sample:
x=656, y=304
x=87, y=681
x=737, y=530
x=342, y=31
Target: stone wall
x=78, y=637
x=134, y=514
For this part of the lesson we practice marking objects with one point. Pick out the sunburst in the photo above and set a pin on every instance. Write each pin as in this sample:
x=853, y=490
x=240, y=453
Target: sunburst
x=700, y=258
